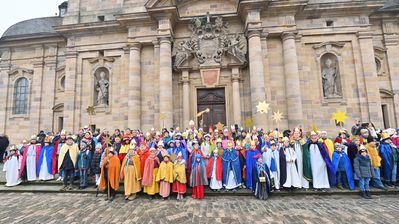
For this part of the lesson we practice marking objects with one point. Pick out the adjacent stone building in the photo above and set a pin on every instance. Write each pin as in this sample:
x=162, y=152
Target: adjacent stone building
x=155, y=63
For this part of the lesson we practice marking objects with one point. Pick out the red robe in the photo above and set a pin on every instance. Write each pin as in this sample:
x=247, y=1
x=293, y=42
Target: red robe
x=25, y=155
x=143, y=157
x=198, y=191
x=148, y=174
x=54, y=158
x=218, y=168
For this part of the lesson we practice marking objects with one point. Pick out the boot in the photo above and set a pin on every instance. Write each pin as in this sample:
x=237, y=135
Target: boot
x=363, y=194
x=368, y=194
x=63, y=188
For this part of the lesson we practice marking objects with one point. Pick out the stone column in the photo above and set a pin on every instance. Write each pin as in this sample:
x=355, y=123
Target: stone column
x=70, y=88
x=292, y=82
x=235, y=82
x=392, y=56
x=37, y=86
x=165, y=83
x=370, y=78
x=186, y=98
x=5, y=65
x=134, y=90
x=156, y=84
x=257, y=80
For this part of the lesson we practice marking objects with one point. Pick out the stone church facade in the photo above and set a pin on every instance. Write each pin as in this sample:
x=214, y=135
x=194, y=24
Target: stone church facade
x=160, y=63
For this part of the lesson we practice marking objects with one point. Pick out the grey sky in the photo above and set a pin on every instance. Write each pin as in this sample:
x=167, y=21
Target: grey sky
x=13, y=11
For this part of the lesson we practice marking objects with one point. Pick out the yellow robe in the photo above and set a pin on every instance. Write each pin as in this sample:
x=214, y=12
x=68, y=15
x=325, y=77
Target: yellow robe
x=179, y=173
x=373, y=154
x=165, y=172
x=330, y=147
x=154, y=188
x=124, y=149
x=131, y=175
x=73, y=153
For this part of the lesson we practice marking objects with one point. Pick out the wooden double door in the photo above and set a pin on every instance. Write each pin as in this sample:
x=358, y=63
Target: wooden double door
x=215, y=100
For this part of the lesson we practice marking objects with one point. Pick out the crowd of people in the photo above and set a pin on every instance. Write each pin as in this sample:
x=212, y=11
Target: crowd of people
x=165, y=161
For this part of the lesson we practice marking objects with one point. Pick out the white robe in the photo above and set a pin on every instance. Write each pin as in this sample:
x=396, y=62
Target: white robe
x=319, y=168
x=299, y=161
x=276, y=174
x=215, y=184
x=31, y=163
x=44, y=174
x=205, y=148
x=293, y=179
x=11, y=167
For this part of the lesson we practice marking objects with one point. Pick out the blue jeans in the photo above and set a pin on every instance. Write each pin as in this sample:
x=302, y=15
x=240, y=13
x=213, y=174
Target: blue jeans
x=376, y=180
x=394, y=172
x=83, y=177
x=364, y=184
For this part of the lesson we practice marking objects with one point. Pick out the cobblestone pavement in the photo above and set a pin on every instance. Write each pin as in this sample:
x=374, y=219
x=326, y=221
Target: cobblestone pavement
x=86, y=208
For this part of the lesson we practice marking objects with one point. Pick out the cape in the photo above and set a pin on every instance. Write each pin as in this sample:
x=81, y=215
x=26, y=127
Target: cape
x=329, y=145
x=250, y=161
x=25, y=155
x=230, y=160
x=387, y=161
x=192, y=158
x=219, y=168
x=48, y=152
x=114, y=169
x=54, y=157
x=179, y=173
x=165, y=172
x=148, y=174
x=256, y=175
x=243, y=162
x=183, y=151
x=373, y=154
x=352, y=151
x=307, y=166
x=73, y=153
x=283, y=166
x=137, y=165
x=198, y=175
x=143, y=157
x=348, y=167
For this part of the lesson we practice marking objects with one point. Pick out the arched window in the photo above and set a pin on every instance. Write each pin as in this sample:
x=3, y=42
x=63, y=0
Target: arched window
x=21, y=92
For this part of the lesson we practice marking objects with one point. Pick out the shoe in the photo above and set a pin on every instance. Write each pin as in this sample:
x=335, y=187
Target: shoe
x=324, y=190
x=59, y=179
x=340, y=187
x=363, y=194
x=63, y=188
x=368, y=194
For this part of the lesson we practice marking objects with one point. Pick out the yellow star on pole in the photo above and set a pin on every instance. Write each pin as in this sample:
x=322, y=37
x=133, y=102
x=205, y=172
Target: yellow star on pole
x=219, y=126
x=248, y=122
x=162, y=116
x=262, y=107
x=277, y=116
x=339, y=117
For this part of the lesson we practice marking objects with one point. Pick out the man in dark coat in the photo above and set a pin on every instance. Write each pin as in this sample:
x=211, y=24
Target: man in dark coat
x=4, y=142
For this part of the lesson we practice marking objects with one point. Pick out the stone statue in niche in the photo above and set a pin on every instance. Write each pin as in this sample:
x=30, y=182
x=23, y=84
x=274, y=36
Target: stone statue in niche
x=102, y=86
x=330, y=75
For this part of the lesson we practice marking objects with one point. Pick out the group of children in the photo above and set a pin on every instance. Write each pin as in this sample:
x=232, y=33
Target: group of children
x=160, y=163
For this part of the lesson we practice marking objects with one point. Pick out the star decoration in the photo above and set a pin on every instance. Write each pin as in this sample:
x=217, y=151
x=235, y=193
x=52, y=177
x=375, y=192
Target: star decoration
x=339, y=117
x=107, y=141
x=277, y=116
x=263, y=107
x=219, y=126
x=91, y=110
x=162, y=116
x=248, y=123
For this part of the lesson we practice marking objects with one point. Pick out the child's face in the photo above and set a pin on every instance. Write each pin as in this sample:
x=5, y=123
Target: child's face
x=363, y=153
x=260, y=159
x=46, y=144
x=198, y=160
x=117, y=140
x=98, y=149
x=339, y=149
x=166, y=159
x=196, y=146
x=273, y=147
x=286, y=144
x=12, y=152
x=110, y=154
x=82, y=146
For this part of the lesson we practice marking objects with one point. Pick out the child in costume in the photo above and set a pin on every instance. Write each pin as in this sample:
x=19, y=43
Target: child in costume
x=131, y=173
x=179, y=176
x=261, y=179
x=364, y=170
x=214, y=171
x=45, y=161
x=243, y=162
x=343, y=168
x=11, y=167
x=198, y=177
x=151, y=187
x=110, y=174
x=231, y=169
x=165, y=176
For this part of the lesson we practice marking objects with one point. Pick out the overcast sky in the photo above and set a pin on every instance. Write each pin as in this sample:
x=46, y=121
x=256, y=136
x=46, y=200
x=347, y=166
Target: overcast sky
x=13, y=11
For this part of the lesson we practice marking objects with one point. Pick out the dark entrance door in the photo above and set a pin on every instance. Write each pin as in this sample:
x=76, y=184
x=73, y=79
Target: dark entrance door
x=215, y=100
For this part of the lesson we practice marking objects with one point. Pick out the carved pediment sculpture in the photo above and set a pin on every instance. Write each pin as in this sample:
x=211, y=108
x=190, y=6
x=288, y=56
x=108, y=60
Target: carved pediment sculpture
x=209, y=42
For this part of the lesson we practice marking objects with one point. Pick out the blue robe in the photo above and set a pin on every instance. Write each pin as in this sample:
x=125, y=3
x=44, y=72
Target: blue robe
x=387, y=161
x=250, y=164
x=348, y=167
x=230, y=160
x=48, y=152
x=183, y=151
x=255, y=179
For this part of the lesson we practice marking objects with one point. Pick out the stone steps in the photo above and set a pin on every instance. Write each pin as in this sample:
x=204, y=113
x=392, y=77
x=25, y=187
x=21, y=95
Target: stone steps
x=55, y=186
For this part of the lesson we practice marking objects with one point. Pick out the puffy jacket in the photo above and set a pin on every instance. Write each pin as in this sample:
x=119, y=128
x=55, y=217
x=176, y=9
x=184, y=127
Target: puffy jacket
x=362, y=166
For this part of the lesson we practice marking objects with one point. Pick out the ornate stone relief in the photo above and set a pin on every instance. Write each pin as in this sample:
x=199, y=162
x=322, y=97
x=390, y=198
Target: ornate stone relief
x=209, y=42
